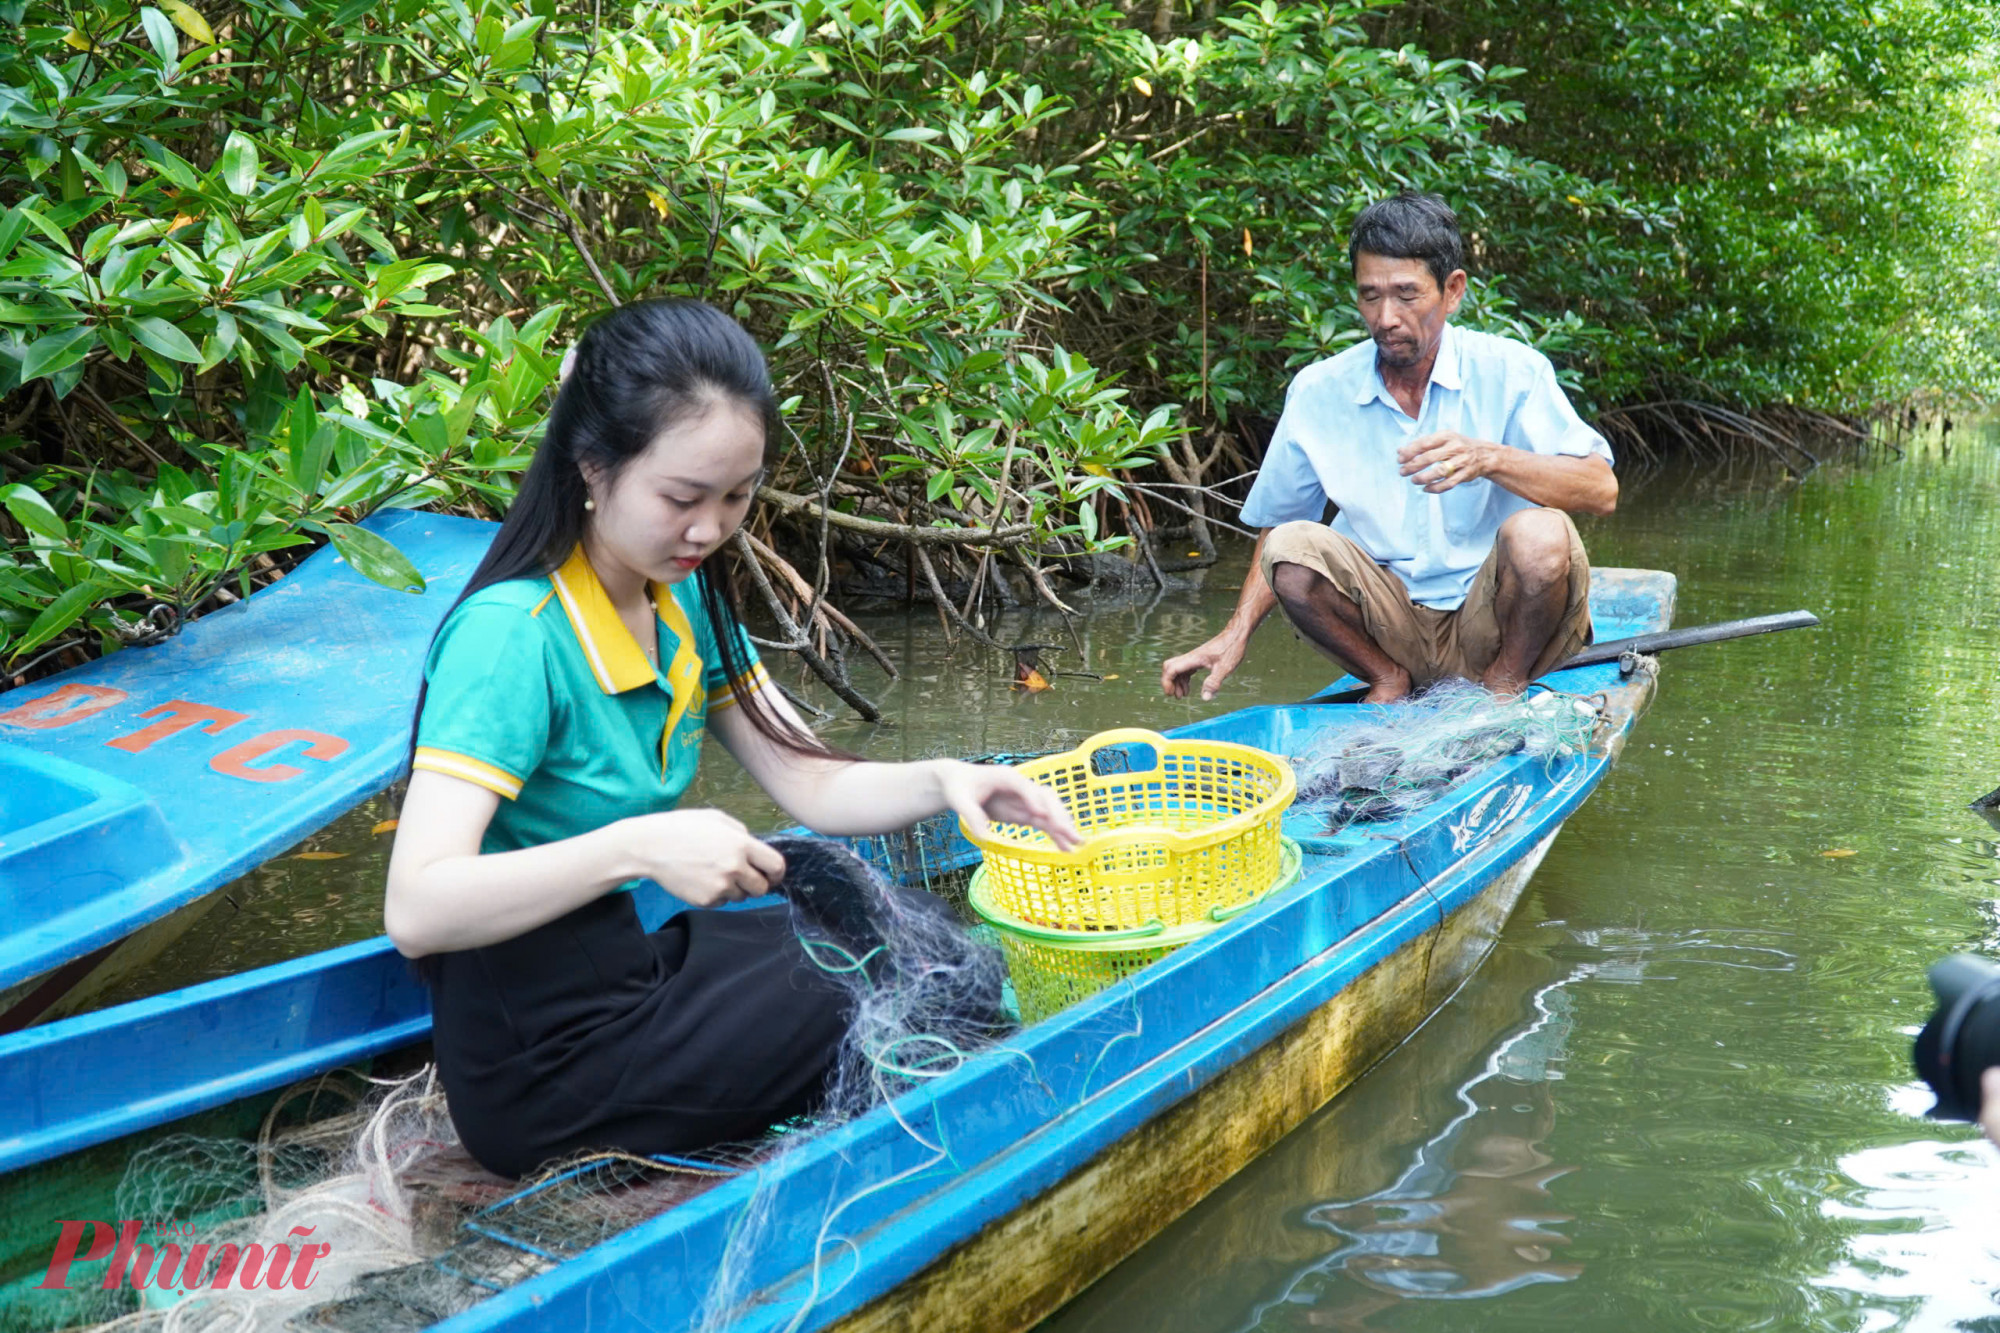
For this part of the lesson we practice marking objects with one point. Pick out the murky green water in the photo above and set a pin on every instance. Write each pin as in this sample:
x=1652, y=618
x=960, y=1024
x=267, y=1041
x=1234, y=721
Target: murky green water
x=1678, y=1094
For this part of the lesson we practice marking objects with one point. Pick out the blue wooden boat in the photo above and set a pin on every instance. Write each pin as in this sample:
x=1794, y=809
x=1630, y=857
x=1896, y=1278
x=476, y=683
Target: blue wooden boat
x=992, y=1195
x=134, y=785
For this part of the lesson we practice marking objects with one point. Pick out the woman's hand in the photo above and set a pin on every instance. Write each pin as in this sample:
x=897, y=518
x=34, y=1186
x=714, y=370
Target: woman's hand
x=982, y=793
x=702, y=857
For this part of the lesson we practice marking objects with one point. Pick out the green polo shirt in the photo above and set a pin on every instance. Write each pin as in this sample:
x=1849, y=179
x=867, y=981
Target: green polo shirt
x=537, y=691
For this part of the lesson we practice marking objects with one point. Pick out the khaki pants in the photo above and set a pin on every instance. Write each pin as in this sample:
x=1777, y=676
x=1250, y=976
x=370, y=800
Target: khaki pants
x=1428, y=644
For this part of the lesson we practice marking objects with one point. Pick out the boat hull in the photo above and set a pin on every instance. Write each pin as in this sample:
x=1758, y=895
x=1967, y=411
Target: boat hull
x=138, y=783
x=987, y=1198
x=993, y=1196
x=1024, y=1268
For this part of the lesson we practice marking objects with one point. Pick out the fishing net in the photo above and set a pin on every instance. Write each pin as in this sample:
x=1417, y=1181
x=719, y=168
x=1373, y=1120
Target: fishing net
x=1385, y=770
x=413, y=1230
x=932, y=854
x=331, y=1188
x=925, y=991
x=927, y=994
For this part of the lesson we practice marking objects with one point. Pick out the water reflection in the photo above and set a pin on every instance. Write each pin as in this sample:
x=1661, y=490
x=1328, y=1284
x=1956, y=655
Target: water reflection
x=1925, y=1255
x=1471, y=1216
x=1635, y=956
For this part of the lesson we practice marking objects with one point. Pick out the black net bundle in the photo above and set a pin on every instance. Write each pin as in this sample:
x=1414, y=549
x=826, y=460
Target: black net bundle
x=1385, y=770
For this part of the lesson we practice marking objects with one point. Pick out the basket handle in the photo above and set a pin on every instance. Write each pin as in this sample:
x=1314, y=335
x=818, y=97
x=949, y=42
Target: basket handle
x=1289, y=866
x=1147, y=931
x=1220, y=912
x=1104, y=740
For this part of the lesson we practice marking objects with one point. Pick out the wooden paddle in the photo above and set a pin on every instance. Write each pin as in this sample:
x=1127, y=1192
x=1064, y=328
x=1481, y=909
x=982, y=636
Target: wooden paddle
x=1658, y=642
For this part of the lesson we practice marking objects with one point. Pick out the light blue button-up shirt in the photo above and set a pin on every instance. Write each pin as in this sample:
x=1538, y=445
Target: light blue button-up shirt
x=1338, y=438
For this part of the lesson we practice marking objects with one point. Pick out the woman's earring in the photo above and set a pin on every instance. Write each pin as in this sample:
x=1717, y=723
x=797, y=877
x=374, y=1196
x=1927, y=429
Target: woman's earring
x=590, y=504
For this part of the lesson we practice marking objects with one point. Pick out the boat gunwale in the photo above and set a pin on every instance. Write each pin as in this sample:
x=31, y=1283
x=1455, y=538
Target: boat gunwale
x=1441, y=893
x=204, y=854
x=919, y=1230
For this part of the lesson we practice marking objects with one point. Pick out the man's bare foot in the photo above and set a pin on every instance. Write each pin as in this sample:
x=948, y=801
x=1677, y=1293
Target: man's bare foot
x=1503, y=686
x=1389, y=689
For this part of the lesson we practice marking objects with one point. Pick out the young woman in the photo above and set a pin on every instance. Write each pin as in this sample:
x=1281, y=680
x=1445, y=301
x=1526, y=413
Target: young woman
x=565, y=699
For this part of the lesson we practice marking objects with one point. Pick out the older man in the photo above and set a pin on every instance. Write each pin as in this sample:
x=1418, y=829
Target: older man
x=1451, y=456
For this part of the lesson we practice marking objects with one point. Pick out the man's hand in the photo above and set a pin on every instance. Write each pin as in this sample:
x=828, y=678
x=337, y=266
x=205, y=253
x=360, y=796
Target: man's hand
x=1989, y=1105
x=1444, y=460
x=1219, y=656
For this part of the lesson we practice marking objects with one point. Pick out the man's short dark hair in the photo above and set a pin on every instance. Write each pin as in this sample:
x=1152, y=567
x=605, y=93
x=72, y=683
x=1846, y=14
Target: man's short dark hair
x=1410, y=226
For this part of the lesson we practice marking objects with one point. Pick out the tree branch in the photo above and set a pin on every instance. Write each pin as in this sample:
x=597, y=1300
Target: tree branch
x=817, y=608
x=798, y=640
x=1013, y=535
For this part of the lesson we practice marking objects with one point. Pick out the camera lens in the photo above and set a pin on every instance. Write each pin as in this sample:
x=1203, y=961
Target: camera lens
x=1962, y=1039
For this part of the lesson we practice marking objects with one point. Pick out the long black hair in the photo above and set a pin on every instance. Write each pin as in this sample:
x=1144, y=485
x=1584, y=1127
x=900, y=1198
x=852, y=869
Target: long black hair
x=638, y=371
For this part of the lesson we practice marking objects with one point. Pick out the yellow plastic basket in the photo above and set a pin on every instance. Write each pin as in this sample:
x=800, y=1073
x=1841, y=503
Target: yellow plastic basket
x=1196, y=831
x=1053, y=969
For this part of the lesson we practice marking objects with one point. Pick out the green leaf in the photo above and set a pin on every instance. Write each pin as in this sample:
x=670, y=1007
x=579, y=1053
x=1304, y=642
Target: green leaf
x=165, y=339
x=160, y=32
x=58, y=616
x=239, y=163
x=13, y=224
x=57, y=352
x=347, y=148
x=189, y=21
x=303, y=463
x=373, y=557
x=47, y=226
x=459, y=419
x=33, y=511
x=170, y=557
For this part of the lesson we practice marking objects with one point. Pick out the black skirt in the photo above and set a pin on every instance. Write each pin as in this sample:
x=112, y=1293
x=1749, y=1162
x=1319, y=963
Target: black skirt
x=590, y=1033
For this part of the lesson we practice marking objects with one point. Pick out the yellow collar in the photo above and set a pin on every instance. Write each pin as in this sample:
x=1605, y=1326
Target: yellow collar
x=616, y=659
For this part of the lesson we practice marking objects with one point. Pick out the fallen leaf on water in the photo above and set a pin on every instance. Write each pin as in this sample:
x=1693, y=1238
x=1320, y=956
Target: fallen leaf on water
x=1032, y=681
x=1840, y=851
x=1112, y=676
x=386, y=826
x=1194, y=555
x=318, y=856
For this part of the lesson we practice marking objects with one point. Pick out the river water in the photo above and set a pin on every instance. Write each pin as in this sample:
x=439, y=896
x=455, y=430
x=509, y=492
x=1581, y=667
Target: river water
x=1678, y=1094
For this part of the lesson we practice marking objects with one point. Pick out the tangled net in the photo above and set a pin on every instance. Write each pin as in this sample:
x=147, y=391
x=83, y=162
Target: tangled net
x=346, y=1180
x=926, y=993
x=1389, y=769
x=416, y=1231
